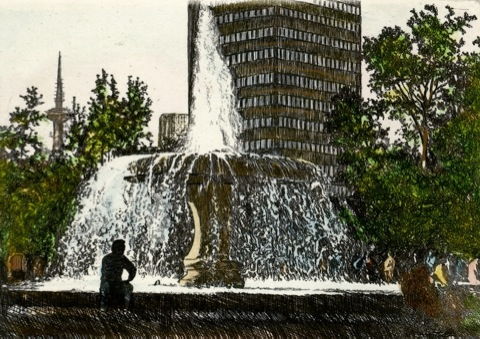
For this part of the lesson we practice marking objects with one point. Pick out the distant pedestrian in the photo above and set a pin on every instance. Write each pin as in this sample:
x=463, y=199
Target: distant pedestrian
x=461, y=270
x=440, y=274
x=430, y=261
x=389, y=267
x=113, y=290
x=358, y=265
x=456, y=269
x=472, y=272
x=372, y=269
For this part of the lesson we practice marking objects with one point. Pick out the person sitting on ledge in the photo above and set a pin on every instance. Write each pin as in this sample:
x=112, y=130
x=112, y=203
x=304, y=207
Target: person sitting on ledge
x=114, y=290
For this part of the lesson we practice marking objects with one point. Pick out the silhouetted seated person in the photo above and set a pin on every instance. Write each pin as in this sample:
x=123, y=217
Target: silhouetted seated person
x=114, y=290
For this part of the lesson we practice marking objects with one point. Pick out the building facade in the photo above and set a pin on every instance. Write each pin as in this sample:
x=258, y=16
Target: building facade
x=288, y=59
x=171, y=127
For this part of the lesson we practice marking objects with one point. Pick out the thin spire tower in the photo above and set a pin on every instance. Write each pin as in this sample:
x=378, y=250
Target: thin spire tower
x=59, y=93
x=58, y=115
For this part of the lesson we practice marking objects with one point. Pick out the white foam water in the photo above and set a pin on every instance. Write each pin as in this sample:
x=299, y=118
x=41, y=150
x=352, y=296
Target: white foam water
x=282, y=227
x=110, y=208
x=150, y=284
x=215, y=123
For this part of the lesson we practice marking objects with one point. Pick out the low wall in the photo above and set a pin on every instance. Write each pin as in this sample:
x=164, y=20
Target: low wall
x=229, y=314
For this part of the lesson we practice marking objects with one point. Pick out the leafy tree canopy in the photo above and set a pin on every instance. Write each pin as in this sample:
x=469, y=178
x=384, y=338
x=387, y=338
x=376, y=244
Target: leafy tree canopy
x=113, y=125
x=37, y=192
x=19, y=141
x=424, y=80
x=420, y=74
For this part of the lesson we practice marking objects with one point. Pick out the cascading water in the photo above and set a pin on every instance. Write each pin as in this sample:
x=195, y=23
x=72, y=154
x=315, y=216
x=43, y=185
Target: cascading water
x=282, y=227
x=282, y=223
x=112, y=208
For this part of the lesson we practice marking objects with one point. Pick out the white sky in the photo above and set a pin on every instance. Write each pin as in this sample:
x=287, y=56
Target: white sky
x=145, y=38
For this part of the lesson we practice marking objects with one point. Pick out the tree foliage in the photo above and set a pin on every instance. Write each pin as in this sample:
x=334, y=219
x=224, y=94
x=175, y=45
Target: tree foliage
x=114, y=125
x=420, y=74
x=356, y=126
x=19, y=141
x=390, y=199
x=423, y=80
x=458, y=148
x=37, y=192
x=37, y=203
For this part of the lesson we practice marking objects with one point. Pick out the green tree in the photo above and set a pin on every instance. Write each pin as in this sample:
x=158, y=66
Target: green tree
x=76, y=135
x=38, y=193
x=113, y=125
x=390, y=201
x=424, y=81
x=356, y=128
x=20, y=141
x=103, y=120
x=420, y=74
x=458, y=148
x=135, y=115
x=37, y=205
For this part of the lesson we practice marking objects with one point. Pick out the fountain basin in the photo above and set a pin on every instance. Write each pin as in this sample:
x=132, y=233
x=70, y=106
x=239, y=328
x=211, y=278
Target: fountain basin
x=232, y=313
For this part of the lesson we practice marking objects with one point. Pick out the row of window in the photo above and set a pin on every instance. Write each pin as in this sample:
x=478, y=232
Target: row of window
x=317, y=60
x=284, y=100
x=255, y=13
x=301, y=81
x=265, y=144
x=289, y=55
x=289, y=80
x=341, y=6
x=257, y=79
x=351, y=26
x=318, y=39
x=289, y=33
x=285, y=122
x=247, y=35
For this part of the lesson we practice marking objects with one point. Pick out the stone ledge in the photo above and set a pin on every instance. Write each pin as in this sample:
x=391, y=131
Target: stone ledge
x=229, y=314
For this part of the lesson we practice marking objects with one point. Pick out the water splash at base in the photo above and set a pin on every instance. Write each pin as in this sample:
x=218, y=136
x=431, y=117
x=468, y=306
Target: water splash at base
x=282, y=224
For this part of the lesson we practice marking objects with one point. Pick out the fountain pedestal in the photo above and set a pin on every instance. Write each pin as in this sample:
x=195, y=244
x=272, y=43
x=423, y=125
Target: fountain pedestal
x=209, y=198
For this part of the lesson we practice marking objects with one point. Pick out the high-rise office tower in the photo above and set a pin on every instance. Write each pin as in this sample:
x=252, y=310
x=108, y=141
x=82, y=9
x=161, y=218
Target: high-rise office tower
x=288, y=59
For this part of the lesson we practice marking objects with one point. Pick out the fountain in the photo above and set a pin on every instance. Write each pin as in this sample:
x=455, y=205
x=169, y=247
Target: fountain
x=210, y=215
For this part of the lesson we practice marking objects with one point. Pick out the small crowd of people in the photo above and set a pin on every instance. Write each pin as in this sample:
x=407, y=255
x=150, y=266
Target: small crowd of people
x=19, y=266
x=370, y=266
x=444, y=270
x=450, y=270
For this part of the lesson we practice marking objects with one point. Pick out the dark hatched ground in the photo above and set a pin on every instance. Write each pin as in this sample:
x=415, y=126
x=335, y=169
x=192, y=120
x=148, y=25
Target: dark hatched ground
x=27, y=313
